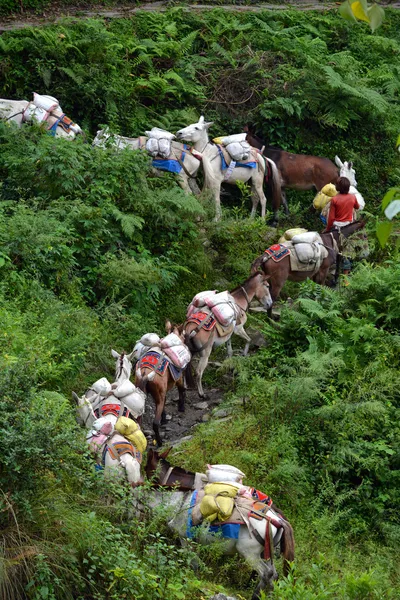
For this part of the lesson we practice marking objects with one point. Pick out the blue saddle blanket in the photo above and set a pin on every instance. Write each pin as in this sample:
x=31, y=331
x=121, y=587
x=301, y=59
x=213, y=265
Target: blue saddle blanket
x=171, y=165
x=224, y=164
x=226, y=530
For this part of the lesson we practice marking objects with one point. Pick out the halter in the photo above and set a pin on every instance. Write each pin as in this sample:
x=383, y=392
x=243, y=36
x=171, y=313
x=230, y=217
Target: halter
x=121, y=366
x=246, y=297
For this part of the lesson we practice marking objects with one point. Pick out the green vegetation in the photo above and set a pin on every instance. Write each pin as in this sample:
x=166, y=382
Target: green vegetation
x=96, y=250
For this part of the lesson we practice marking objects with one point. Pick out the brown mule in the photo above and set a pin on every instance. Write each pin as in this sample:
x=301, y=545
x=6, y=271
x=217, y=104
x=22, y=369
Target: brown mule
x=157, y=385
x=202, y=342
x=297, y=171
x=279, y=272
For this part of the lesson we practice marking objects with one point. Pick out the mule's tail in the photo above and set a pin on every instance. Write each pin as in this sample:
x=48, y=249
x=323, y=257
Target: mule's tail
x=257, y=264
x=273, y=184
x=142, y=380
x=287, y=546
x=189, y=377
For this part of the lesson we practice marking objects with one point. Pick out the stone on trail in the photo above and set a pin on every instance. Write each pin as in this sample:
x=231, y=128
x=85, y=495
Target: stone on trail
x=221, y=413
x=201, y=405
x=222, y=597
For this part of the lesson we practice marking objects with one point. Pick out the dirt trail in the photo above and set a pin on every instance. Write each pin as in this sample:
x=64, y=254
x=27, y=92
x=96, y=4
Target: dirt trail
x=57, y=13
x=181, y=425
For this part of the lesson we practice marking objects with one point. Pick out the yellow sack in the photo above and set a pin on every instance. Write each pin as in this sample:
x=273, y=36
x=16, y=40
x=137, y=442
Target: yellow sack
x=218, y=140
x=217, y=503
x=131, y=430
x=226, y=489
x=329, y=190
x=217, y=508
x=324, y=196
x=292, y=232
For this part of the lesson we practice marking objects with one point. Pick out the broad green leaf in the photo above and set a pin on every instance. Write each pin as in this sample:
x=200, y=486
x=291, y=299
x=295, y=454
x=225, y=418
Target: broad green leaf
x=376, y=14
x=2, y=261
x=383, y=231
x=347, y=13
x=393, y=209
x=398, y=142
x=359, y=11
x=389, y=196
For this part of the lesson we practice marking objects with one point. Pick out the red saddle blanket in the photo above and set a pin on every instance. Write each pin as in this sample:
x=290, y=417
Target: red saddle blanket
x=206, y=320
x=277, y=252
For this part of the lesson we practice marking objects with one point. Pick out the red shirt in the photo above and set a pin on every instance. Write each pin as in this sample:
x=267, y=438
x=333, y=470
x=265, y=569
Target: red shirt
x=341, y=209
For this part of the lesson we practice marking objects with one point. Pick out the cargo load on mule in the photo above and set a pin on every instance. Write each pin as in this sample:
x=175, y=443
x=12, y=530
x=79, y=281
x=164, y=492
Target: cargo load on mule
x=171, y=346
x=306, y=250
x=159, y=142
x=221, y=305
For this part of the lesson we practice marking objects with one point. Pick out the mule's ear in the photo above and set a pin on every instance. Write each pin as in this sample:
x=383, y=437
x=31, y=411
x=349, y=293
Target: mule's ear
x=168, y=326
x=115, y=354
x=207, y=125
x=201, y=120
x=131, y=355
x=350, y=164
x=165, y=453
x=75, y=397
x=338, y=162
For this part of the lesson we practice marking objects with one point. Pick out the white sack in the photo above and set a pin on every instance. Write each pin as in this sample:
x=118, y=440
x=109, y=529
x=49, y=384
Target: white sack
x=223, y=308
x=360, y=199
x=139, y=350
x=102, y=386
x=200, y=298
x=150, y=339
x=125, y=388
x=306, y=238
x=239, y=150
x=164, y=148
x=171, y=340
x=135, y=402
x=230, y=139
x=179, y=355
x=224, y=473
x=152, y=146
x=159, y=134
x=48, y=103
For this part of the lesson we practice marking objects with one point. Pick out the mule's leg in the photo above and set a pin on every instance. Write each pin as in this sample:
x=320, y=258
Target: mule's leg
x=205, y=355
x=257, y=196
x=268, y=574
x=159, y=399
x=182, y=179
x=229, y=347
x=285, y=202
x=132, y=469
x=239, y=330
x=182, y=394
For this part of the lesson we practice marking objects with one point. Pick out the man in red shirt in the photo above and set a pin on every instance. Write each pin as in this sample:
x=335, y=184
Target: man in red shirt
x=342, y=205
x=341, y=212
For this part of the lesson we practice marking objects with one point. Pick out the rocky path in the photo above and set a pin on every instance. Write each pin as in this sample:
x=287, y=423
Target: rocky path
x=181, y=426
x=55, y=13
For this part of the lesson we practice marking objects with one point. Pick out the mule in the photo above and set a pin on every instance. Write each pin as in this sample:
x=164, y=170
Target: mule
x=92, y=405
x=162, y=474
x=202, y=342
x=300, y=171
x=279, y=272
x=157, y=384
x=186, y=178
x=176, y=506
x=14, y=110
x=197, y=133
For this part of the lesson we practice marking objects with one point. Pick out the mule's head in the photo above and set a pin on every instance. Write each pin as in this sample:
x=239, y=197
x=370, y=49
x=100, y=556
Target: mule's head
x=154, y=460
x=262, y=291
x=195, y=132
x=174, y=328
x=123, y=365
x=102, y=136
x=346, y=170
